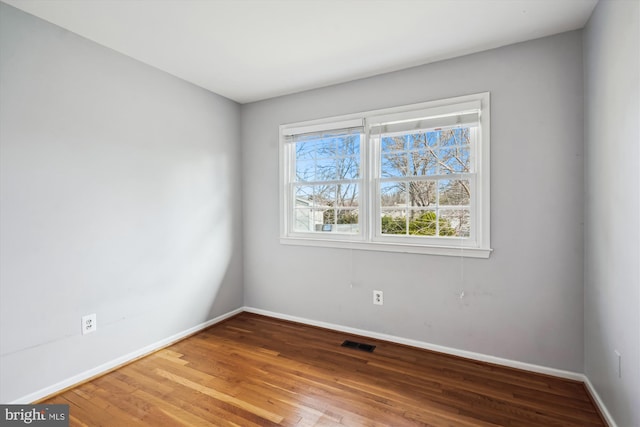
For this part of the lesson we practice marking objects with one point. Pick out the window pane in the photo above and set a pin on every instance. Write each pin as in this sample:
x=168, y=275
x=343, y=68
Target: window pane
x=305, y=170
x=448, y=138
x=348, y=167
x=325, y=148
x=455, y=136
x=304, y=196
x=347, y=221
x=393, y=194
x=433, y=138
x=303, y=220
x=422, y=193
x=393, y=143
x=347, y=216
x=324, y=195
x=462, y=135
x=394, y=164
x=394, y=222
x=325, y=170
x=423, y=162
x=420, y=140
x=454, y=222
x=328, y=217
x=422, y=223
x=319, y=196
x=454, y=192
x=306, y=150
x=349, y=145
x=455, y=159
x=347, y=195
x=339, y=221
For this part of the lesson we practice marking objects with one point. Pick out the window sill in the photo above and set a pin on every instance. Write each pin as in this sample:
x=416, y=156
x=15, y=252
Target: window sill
x=457, y=251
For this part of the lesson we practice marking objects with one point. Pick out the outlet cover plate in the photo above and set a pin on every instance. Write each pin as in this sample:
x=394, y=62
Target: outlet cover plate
x=378, y=298
x=89, y=323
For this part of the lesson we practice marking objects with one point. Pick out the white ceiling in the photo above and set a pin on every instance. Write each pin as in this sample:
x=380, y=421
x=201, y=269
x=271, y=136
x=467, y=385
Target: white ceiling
x=249, y=50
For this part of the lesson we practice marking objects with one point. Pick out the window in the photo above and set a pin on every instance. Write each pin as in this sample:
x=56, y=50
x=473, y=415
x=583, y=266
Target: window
x=325, y=180
x=404, y=179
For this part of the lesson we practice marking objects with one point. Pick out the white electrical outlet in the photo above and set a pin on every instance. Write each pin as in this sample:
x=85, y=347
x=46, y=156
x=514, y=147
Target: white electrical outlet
x=89, y=323
x=377, y=298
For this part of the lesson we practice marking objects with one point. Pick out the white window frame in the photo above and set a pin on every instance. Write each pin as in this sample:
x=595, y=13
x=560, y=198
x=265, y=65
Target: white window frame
x=369, y=236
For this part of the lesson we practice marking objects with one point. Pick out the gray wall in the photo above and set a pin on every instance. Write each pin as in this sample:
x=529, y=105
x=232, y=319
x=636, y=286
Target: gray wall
x=612, y=237
x=119, y=196
x=524, y=303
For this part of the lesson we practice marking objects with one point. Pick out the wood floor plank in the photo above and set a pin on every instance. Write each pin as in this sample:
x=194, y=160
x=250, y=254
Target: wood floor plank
x=253, y=371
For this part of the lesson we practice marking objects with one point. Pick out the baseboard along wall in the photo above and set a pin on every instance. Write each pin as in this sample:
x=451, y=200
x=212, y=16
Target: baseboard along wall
x=130, y=357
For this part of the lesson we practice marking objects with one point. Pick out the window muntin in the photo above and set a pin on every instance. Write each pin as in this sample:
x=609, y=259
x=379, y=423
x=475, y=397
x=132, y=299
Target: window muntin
x=403, y=179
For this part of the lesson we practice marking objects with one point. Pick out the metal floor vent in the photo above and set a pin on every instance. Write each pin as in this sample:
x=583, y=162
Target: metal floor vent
x=359, y=346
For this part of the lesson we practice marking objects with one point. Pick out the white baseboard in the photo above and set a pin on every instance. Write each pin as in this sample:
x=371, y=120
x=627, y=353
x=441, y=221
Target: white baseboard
x=428, y=346
x=596, y=398
x=105, y=367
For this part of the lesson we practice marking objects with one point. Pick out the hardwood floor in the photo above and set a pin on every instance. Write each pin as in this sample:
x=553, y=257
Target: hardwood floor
x=257, y=371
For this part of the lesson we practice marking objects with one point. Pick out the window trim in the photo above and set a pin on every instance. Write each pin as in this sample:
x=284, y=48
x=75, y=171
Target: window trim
x=367, y=238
